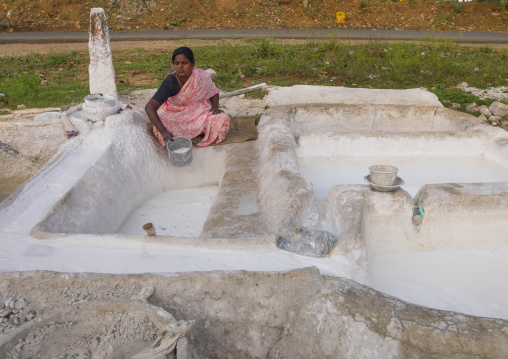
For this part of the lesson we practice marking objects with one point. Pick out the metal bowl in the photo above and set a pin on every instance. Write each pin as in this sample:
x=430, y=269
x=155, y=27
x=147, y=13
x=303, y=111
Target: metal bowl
x=98, y=100
x=398, y=182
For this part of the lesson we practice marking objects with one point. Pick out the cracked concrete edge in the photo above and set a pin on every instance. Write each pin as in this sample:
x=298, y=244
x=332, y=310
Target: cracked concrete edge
x=238, y=181
x=294, y=314
x=278, y=168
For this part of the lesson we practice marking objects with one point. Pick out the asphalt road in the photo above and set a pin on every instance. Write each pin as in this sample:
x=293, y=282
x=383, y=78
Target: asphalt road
x=167, y=35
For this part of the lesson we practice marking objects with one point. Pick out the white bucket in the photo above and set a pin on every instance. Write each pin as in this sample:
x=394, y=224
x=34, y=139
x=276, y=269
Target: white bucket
x=383, y=175
x=180, y=151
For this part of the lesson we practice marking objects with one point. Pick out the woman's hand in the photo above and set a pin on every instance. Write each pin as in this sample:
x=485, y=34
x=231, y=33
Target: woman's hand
x=166, y=136
x=215, y=111
x=214, y=101
x=151, y=110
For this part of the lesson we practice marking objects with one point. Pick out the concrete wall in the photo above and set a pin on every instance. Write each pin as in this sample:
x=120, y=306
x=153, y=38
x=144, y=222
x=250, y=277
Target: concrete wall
x=306, y=94
x=382, y=118
x=457, y=217
x=354, y=145
x=283, y=193
x=128, y=172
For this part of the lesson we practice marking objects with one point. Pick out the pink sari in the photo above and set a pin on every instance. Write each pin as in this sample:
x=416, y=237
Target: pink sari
x=187, y=114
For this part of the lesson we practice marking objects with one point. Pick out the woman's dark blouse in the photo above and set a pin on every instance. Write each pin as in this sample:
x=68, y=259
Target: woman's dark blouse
x=170, y=87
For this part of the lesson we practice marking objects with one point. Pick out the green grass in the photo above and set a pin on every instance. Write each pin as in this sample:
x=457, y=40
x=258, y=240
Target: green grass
x=259, y=94
x=31, y=91
x=61, y=79
x=458, y=96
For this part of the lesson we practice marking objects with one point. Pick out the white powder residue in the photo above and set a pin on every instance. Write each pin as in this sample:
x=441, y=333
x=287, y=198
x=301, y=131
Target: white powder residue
x=181, y=150
x=21, y=254
x=178, y=213
x=472, y=282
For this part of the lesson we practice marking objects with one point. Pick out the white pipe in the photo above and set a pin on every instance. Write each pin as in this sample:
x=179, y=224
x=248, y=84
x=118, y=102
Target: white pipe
x=239, y=92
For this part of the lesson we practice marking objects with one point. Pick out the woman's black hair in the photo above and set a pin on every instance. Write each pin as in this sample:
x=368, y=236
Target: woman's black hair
x=183, y=50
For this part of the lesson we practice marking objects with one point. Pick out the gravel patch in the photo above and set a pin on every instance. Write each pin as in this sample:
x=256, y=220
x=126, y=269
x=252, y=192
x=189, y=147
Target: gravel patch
x=497, y=93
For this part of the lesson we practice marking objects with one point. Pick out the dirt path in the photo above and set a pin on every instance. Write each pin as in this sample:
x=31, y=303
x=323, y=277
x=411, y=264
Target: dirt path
x=24, y=49
x=72, y=15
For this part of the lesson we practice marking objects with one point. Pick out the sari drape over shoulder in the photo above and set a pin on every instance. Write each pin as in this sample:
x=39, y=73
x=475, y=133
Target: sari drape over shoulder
x=187, y=113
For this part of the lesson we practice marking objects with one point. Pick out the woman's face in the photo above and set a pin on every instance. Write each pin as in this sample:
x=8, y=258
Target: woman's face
x=183, y=66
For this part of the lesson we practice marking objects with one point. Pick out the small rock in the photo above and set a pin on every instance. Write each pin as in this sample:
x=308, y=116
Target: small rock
x=499, y=109
x=463, y=84
x=5, y=313
x=471, y=108
x=20, y=303
x=145, y=294
x=495, y=120
x=482, y=118
x=211, y=72
x=14, y=152
x=300, y=240
x=21, y=107
x=484, y=110
x=84, y=355
x=455, y=106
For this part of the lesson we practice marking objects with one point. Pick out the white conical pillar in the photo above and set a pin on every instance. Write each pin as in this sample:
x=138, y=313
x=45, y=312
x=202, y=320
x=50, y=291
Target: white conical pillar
x=101, y=70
